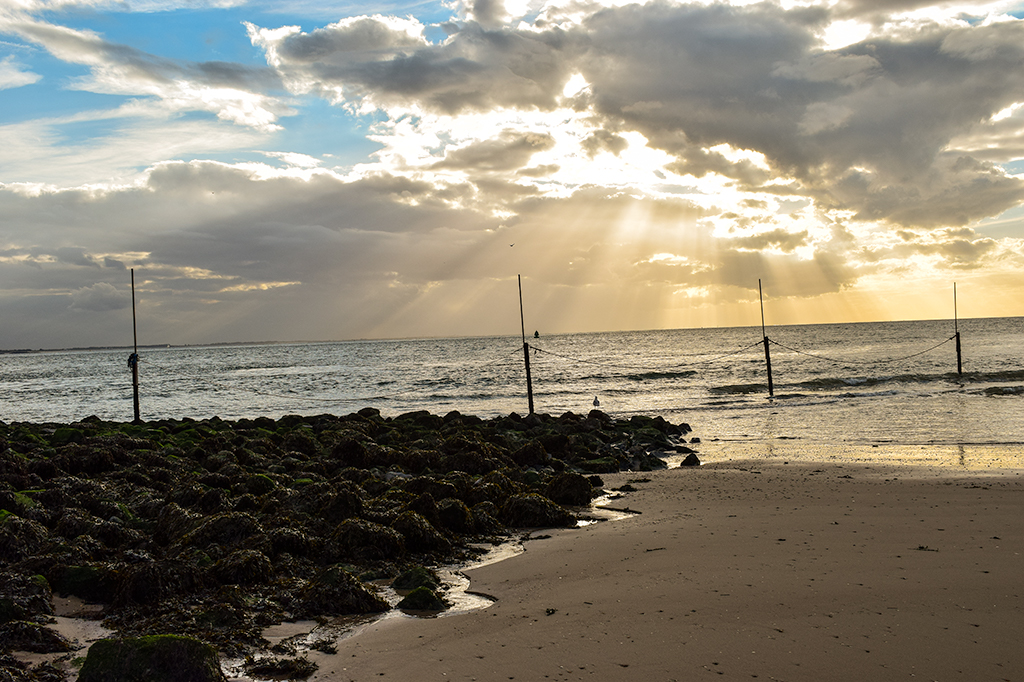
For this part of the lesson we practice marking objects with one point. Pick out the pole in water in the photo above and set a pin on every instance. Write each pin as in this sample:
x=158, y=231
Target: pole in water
x=767, y=354
x=526, y=347
x=956, y=328
x=133, y=359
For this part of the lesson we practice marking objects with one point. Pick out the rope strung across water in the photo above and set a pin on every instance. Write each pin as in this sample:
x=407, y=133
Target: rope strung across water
x=206, y=379
x=647, y=368
x=861, y=362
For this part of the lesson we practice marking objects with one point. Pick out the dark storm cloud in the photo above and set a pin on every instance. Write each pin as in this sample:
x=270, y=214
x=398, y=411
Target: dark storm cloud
x=476, y=69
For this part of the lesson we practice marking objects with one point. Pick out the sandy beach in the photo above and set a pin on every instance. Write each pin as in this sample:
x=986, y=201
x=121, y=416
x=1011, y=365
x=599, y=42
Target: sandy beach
x=743, y=570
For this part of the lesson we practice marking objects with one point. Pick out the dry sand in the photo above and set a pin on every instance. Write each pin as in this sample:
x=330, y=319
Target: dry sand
x=744, y=570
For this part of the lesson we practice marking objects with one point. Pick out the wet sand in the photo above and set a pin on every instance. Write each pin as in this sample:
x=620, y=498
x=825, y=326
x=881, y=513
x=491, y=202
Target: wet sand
x=744, y=570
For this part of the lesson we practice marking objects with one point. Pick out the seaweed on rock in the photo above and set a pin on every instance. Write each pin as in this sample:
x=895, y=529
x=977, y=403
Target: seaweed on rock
x=214, y=529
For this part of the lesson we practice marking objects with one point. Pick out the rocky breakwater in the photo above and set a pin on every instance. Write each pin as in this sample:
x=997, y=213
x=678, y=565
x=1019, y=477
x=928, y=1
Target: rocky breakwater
x=216, y=529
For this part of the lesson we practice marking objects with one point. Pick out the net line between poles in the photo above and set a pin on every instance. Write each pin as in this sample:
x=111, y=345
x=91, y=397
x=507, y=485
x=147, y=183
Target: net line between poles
x=223, y=387
x=860, y=362
x=646, y=368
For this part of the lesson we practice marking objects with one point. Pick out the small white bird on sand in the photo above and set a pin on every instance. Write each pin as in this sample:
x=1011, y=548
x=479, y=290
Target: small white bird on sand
x=597, y=403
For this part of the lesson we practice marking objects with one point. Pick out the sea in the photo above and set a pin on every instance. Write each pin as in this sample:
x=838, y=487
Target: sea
x=863, y=391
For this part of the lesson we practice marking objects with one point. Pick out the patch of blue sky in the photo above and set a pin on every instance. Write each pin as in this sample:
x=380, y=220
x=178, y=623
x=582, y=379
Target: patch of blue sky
x=185, y=35
x=328, y=11
x=326, y=132
x=1014, y=167
x=219, y=34
x=1008, y=224
x=52, y=97
x=87, y=133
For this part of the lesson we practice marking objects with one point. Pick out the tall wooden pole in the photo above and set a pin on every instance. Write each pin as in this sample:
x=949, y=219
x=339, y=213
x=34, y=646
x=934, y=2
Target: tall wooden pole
x=133, y=360
x=767, y=353
x=526, y=347
x=956, y=328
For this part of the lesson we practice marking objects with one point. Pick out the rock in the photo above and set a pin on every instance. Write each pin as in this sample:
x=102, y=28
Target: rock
x=21, y=538
x=92, y=582
x=454, y=516
x=227, y=529
x=422, y=599
x=485, y=518
x=531, y=454
x=418, y=576
x=281, y=668
x=22, y=597
x=335, y=592
x=21, y=635
x=570, y=488
x=531, y=510
x=158, y=658
x=244, y=567
x=147, y=584
x=419, y=535
x=691, y=461
x=366, y=540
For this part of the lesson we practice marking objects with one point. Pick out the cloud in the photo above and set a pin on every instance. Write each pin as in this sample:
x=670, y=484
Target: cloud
x=13, y=75
x=233, y=92
x=100, y=297
x=389, y=63
x=697, y=148
x=511, y=150
x=863, y=129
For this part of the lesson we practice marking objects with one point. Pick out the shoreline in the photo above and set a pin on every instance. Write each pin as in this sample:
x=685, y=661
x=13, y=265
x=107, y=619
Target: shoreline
x=259, y=487
x=744, y=569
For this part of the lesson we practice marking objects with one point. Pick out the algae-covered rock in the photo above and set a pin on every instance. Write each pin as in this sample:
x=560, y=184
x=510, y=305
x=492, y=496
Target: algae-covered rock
x=454, y=516
x=21, y=538
x=419, y=535
x=158, y=658
x=422, y=599
x=21, y=635
x=418, y=576
x=366, y=540
x=335, y=592
x=281, y=668
x=147, y=584
x=570, y=488
x=485, y=518
x=227, y=529
x=244, y=567
x=531, y=510
x=23, y=596
x=92, y=582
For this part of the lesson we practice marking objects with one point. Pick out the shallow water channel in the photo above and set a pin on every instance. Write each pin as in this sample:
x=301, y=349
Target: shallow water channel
x=313, y=639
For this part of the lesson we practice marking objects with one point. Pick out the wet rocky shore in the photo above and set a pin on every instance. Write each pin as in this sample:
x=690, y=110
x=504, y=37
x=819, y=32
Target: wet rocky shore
x=216, y=529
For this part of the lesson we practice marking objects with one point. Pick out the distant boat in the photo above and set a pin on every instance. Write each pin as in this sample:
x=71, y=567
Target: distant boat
x=536, y=335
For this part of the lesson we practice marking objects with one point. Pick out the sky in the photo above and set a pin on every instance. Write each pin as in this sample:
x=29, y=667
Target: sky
x=338, y=170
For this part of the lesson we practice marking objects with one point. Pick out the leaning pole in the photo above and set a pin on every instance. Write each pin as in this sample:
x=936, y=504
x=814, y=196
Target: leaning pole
x=133, y=359
x=526, y=347
x=767, y=353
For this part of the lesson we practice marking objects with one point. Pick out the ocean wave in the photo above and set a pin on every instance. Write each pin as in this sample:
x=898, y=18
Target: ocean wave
x=1001, y=390
x=741, y=389
x=648, y=376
